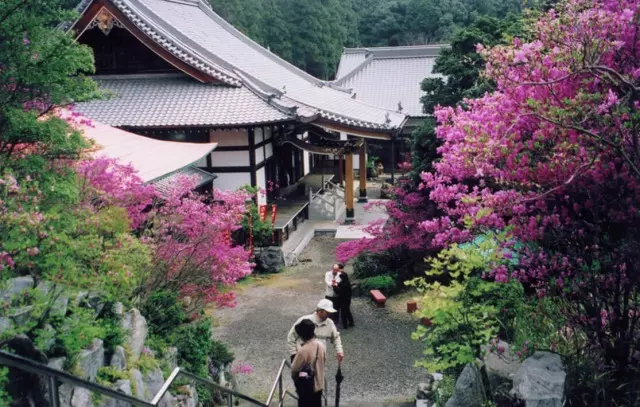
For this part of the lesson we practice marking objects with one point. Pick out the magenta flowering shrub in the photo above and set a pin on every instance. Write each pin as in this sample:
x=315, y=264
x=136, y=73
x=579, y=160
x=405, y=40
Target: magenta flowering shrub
x=553, y=158
x=187, y=235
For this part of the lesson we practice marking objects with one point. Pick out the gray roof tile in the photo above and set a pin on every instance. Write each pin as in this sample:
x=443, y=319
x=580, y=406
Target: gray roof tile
x=163, y=100
x=193, y=30
x=386, y=76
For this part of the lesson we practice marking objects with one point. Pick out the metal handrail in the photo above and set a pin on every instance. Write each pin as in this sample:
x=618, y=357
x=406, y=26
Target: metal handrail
x=55, y=377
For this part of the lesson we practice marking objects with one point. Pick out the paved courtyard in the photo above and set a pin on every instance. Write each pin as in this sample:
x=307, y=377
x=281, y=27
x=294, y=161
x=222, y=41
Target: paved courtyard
x=379, y=353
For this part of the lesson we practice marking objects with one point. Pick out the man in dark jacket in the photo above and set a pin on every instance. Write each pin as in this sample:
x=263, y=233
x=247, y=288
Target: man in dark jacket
x=344, y=298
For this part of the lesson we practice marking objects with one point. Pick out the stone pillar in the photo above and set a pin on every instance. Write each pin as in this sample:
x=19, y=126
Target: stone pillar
x=348, y=189
x=363, y=172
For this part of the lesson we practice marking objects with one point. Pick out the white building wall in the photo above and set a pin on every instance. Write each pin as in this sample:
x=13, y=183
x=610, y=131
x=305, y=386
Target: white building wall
x=234, y=137
x=231, y=181
x=259, y=153
x=306, y=162
x=229, y=158
x=258, y=136
x=261, y=179
x=269, y=150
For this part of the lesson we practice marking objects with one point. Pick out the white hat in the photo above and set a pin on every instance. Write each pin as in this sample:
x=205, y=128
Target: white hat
x=326, y=305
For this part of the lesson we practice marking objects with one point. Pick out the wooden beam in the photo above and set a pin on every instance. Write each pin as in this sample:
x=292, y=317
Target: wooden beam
x=87, y=17
x=348, y=189
x=363, y=173
x=354, y=131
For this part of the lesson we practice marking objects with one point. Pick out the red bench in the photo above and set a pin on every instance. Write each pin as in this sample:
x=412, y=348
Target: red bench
x=378, y=297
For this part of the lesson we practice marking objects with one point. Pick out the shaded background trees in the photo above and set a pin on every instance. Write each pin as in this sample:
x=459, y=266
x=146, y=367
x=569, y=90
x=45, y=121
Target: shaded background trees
x=311, y=34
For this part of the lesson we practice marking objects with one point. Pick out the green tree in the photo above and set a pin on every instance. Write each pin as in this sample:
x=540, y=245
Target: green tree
x=318, y=31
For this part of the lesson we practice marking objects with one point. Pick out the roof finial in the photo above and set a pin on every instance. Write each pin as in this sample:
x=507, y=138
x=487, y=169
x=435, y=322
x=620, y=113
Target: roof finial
x=354, y=95
x=387, y=119
x=284, y=89
x=400, y=106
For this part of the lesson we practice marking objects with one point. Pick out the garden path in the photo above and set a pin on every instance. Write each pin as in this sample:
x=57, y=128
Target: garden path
x=379, y=352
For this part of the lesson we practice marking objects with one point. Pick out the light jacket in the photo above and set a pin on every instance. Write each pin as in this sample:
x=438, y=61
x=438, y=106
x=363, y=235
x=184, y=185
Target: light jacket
x=307, y=357
x=325, y=331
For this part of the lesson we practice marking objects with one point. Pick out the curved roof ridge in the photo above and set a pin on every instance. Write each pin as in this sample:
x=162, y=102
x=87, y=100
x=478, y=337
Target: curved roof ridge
x=257, y=47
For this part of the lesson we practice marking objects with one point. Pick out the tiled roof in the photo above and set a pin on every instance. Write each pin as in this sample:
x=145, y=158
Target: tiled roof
x=169, y=100
x=163, y=185
x=388, y=76
x=198, y=36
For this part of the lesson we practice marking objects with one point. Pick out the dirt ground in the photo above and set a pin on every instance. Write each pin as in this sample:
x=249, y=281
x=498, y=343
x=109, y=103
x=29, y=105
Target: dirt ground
x=379, y=352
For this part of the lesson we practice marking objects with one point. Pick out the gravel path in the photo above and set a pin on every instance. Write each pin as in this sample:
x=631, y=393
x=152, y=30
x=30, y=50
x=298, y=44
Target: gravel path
x=379, y=352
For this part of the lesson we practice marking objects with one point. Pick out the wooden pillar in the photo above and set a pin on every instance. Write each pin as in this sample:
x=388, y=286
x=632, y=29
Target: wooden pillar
x=393, y=160
x=363, y=172
x=348, y=189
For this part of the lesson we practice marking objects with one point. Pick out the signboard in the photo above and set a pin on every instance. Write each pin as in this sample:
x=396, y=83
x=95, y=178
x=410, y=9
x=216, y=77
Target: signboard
x=262, y=209
x=274, y=209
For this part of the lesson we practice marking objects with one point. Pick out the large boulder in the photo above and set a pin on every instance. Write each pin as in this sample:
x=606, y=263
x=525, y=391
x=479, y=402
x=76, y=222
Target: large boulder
x=501, y=365
x=540, y=381
x=124, y=387
x=136, y=326
x=153, y=381
x=187, y=396
x=269, y=260
x=468, y=391
x=91, y=359
x=81, y=398
x=119, y=359
x=61, y=302
x=137, y=384
x=15, y=286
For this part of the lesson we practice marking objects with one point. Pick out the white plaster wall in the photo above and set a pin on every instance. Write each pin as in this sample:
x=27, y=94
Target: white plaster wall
x=258, y=136
x=230, y=158
x=356, y=161
x=269, y=149
x=259, y=153
x=232, y=137
x=231, y=181
x=261, y=179
x=306, y=167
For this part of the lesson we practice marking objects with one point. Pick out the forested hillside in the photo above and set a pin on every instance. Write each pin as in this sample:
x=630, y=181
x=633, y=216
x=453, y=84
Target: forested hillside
x=311, y=33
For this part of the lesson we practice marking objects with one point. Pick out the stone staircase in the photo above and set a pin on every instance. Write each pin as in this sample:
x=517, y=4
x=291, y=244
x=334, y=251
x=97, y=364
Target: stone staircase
x=327, y=206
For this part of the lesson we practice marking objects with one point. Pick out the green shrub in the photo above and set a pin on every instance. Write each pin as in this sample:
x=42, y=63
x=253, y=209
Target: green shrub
x=386, y=284
x=163, y=312
x=371, y=265
x=111, y=374
x=195, y=346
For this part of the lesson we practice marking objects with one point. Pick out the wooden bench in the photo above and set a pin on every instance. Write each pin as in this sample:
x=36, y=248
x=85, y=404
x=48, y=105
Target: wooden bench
x=378, y=297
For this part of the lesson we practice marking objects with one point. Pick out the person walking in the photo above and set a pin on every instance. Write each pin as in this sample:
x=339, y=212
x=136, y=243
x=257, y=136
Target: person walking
x=325, y=330
x=307, y=367
x=343, y=290
x=331, y=280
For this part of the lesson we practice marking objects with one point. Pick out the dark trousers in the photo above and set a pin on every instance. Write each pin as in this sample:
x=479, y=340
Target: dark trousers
x=336, y=306
x=309, y=399
x=345, y=313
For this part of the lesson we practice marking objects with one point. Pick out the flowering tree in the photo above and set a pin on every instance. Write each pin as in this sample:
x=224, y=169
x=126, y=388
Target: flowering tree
x=189, y=237
x=553, y=158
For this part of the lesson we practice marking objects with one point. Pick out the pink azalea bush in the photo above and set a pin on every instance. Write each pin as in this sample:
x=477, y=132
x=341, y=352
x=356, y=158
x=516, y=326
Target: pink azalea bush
x=553, y=158
x=185, y=231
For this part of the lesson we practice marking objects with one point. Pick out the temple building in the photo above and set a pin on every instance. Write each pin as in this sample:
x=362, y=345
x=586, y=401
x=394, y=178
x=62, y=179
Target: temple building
x=175, y=70
x=389, y=77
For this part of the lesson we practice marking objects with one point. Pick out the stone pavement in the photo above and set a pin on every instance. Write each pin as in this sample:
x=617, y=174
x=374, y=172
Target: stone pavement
x=379, y=351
